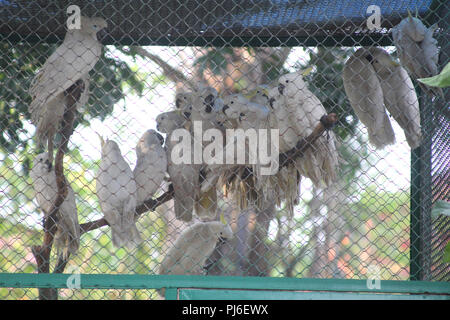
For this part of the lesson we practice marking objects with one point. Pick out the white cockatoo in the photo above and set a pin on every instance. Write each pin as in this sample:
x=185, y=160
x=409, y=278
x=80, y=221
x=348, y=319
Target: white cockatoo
x=184, y=176
x=237, y=107
x=193, y=247
x=183, y=101
x=259, y=95
x=284, y=184
x=206, y=109
x=302, y=112
x=400, y=97
x=151, y=165
x=68, y=65
x=167, y=122
x=116, y=191
x=234, y=108
x=364, y=91
x=418, y=50
x=206, y=105
x=67, y=238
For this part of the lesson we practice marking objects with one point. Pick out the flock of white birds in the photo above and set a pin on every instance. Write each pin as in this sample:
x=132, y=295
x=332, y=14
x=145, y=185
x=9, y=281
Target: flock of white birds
x=374, y=83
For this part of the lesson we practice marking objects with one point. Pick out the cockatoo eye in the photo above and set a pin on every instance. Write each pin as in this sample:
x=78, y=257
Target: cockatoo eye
x=40, y=160
x=231, y=102
x=95, y=26
x=287, y=81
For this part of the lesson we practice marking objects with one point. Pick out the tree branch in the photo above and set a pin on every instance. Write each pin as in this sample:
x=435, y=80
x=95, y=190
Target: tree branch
x=42, y=253
x=148, y=205
x=170, y=72
x=326, y=123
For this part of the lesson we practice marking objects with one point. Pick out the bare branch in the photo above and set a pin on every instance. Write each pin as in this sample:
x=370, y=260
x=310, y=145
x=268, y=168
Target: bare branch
x=148, y=205
x=42, y=253
x=170, y=72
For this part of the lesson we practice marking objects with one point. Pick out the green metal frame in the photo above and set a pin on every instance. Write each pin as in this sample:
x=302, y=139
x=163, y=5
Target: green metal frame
x=224, y=287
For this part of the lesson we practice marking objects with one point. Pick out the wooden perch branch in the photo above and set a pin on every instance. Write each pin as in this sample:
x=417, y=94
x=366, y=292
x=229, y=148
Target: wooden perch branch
x=148, y=205
x=170, y=72
x=326, y=123
x=42, y=253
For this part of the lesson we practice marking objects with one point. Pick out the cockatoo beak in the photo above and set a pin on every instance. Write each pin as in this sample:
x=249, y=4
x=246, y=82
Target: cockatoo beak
x=281, y=88
x=306, y=71
x=395, y=63
x=410, y=15
x=49, y=165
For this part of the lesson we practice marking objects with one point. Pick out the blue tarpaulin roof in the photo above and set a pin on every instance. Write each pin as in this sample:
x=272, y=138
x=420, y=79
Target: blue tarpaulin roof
x=199, y=22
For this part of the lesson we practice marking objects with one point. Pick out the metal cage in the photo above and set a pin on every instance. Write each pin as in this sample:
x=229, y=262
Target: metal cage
x=371, y=234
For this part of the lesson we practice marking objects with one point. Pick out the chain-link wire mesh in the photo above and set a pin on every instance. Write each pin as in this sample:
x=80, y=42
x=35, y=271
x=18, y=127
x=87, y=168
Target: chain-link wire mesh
x=337, y=207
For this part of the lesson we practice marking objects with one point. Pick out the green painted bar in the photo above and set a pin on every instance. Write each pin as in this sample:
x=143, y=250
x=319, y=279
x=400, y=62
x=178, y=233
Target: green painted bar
x=213, y=294
x=138, y=281
x=171, y=294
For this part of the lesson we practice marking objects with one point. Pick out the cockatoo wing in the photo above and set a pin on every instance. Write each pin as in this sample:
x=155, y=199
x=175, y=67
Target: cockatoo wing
x=71, y=61
x=364, y=92
x=67, y=238
x=418, y=55
x=149, y=172
x=401, y=101
x=116, y=191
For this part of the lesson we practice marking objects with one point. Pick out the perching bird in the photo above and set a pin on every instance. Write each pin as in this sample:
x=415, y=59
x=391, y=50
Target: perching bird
x=206, y=106
x=399, y=94
x=69, y=65
x=183, y=101
x=365, y=94
x=418, y=50
x=67, y=238
x=166, y=122
x=193, y=247
x=184, y=176
x=303, y=111
x=116, y=191
x=284, y=184
x=236, y=107
x=259, y=95
x=151, y=165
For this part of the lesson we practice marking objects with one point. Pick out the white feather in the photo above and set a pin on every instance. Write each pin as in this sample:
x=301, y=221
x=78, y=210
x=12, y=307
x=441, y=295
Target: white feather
x=116, y=191
x=67, y=238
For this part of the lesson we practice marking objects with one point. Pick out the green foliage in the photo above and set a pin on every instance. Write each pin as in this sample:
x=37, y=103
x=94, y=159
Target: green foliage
x=441, y=207
x=441, y=80
x=446, y=257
